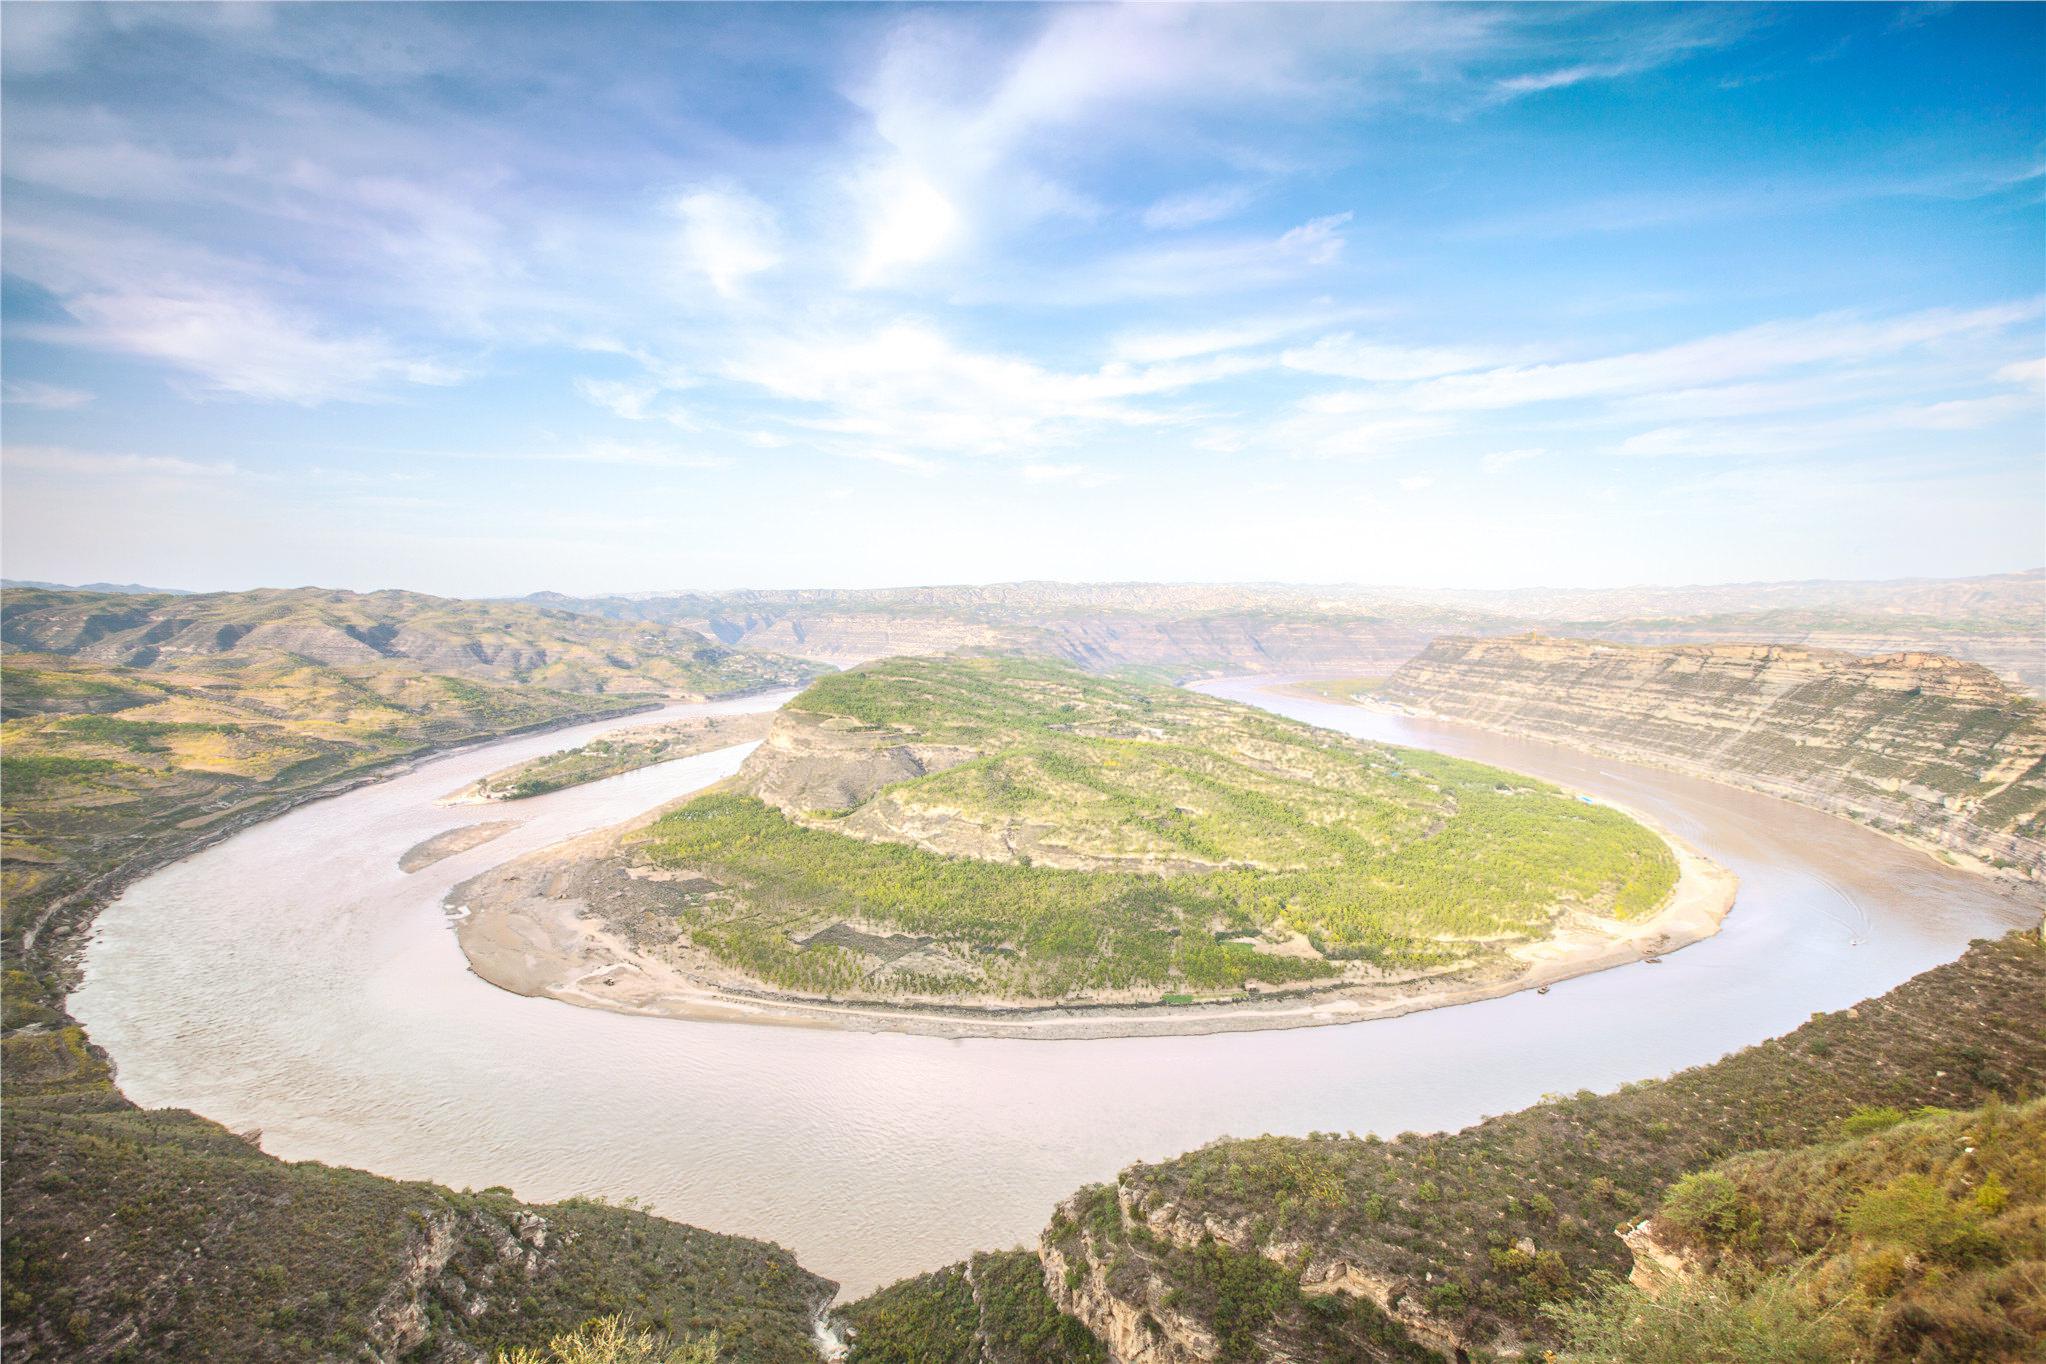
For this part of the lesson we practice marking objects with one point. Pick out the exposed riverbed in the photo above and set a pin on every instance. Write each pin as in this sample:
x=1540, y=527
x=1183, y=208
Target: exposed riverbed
x=294, y=979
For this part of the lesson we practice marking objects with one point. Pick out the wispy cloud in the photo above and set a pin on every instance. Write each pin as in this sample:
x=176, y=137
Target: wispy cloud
x=1767, y=348
x=57, y=459
x=54, y=397
x=1196, y=207
x=625, y=453
x=729, y=236
x=1497, y=460
x=1078, y=475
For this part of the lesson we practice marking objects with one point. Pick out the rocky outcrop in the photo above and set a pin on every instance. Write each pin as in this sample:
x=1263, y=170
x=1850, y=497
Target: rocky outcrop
x=1657, y=1267
x=1916, y=744
x=815, y=764
x=1132, y=1298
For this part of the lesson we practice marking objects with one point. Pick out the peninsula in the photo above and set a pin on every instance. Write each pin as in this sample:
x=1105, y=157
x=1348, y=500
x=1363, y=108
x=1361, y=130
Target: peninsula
x=974, y=846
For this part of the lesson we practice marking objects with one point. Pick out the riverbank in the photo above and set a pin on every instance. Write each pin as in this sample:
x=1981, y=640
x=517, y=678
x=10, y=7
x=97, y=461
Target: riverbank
x=528, y=927
x=1960, y=858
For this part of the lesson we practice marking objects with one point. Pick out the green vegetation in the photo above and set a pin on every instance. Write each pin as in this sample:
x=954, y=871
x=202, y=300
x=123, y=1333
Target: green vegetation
x=619, y=753
x=1918, y=745
x=1924, y=1239
x=1486, y=1228
x=990, y=1310
x=138, y=726
x=1767, y=1323
x=159, y=1235
x=109, y=769
x=1202, y=831
x=1025, y=931
x=1342, y=688
x=610, y=1340
x=136, y=729
x=502, y=643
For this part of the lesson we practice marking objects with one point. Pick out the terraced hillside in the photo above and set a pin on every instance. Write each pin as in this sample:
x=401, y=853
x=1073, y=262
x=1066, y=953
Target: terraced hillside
x=1916, y=744
x=943, y=828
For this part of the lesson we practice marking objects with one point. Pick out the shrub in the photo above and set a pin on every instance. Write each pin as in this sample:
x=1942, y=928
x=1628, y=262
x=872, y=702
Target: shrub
x=1692, y=1324
x=610, y=1340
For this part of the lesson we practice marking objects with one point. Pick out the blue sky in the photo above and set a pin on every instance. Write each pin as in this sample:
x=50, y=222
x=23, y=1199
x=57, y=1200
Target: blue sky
x=482, y=300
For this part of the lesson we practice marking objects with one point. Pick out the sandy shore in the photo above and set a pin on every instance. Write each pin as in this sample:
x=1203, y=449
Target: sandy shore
x=685, y=739
x=526, y=928
x=441, y=846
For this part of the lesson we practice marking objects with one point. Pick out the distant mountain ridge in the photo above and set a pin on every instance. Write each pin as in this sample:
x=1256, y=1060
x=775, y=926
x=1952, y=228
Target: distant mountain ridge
x=486, y=641
x=1997, y=620
x=137, y=589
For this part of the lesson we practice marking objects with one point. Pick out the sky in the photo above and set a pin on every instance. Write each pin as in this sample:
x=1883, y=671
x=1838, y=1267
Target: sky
x=483, y=300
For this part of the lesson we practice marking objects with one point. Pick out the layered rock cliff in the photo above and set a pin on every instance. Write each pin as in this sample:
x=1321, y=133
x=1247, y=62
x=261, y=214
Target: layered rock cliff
x=1916, y=744
x=1292, y=1250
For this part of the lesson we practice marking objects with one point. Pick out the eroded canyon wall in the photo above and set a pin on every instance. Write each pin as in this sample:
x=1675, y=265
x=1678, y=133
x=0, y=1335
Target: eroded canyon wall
x=1916, y=744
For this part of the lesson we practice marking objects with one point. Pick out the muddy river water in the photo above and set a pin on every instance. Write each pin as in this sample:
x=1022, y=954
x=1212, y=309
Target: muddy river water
x=293, y=979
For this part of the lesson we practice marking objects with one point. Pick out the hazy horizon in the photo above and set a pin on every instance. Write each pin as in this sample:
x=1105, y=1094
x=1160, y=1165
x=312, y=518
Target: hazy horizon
x=1188, y=584
x=487, y=300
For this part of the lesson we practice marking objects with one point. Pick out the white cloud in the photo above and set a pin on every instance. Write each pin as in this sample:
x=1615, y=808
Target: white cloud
x=243, y=345
x=1562, y=77
x=728, y=236
x=59, y=459
x=1830, y=432
x=910, y=220
x=55, y=397
x=2031, y=373
x=1415, y=483
x=1751, y=351
x=1079, y=475
x=1506, y=459
x=1197, y=207
x=628, y=453
x=1218, y=265
x=904, y=392
x=636, y=400
x=1351, y=358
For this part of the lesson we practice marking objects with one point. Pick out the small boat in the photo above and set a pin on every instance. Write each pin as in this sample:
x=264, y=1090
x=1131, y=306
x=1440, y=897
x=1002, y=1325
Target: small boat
x=1541, y=989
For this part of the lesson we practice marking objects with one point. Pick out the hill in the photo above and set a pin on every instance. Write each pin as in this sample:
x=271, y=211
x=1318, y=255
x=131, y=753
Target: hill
x=137, y=728
x=1905, y=1238
x=144, y=732
x=158, y=1235
x=486, y=641
x=984, y=831
x=1504, y=1239
x=1914, y=744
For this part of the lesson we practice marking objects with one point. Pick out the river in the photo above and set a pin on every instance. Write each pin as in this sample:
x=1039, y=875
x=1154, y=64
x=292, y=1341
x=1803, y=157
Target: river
x=292, y=979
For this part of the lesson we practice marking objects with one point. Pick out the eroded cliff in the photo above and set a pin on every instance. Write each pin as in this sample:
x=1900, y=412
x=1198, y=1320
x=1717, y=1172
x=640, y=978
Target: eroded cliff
x=1916, y=744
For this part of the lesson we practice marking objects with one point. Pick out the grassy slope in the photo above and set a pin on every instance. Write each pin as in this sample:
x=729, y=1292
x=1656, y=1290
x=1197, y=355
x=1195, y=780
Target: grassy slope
x=135, y=1235
x=132, y=1235
x=486, y=641
x=1464, y=1207
x=991, y=1309
x=106, y=768
x=1397, y=857
x=1917, y=1239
